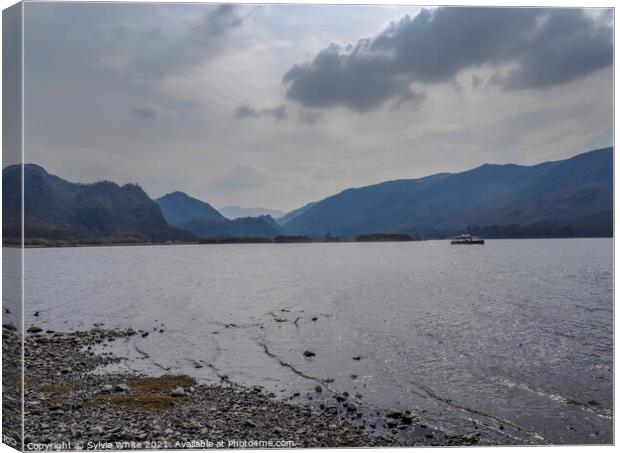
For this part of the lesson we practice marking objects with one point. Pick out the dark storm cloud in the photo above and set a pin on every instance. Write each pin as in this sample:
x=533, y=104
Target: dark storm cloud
x=542, y=47
x=127, y=40
x=158, y=53
x=220, y=20
x=278, y=113
x=349, y=76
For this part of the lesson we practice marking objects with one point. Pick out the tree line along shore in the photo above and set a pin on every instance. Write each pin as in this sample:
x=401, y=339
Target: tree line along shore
x=280, y=239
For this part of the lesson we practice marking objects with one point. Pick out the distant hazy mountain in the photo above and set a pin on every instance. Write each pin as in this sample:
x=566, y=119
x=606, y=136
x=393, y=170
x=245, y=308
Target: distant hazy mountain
x=179, y=208
x=283, y=220
x=204, y=221
x=58, y=209
x=235, y=212
x=262, y=226
x=572, y=196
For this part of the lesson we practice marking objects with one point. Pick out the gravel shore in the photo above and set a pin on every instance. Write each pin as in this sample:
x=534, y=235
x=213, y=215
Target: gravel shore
x=71, y=408
x=11, y=386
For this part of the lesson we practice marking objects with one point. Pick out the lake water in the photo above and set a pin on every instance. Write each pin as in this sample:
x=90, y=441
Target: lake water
x=513, y=338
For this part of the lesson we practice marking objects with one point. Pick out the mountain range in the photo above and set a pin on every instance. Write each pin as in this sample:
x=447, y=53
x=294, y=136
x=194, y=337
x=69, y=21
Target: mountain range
x=575, y=193
x=286, y=218
x=572, y=197
x=200, y=218
x=261, y=227
x=59, y=209
x=236, y=212
x=178, y=208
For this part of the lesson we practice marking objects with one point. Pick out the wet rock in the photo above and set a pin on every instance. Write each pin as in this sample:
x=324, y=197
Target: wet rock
x=145, y=334
x=121, y=388
x=391, y=423
x=309, y=354
x=318, y=389
x=34, y=329
x=357, y=357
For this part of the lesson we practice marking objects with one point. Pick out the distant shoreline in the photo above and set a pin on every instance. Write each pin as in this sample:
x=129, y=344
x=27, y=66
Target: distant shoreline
x=266, y=242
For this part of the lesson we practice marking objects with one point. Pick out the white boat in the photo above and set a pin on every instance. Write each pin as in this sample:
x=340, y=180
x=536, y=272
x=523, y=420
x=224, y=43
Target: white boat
x=466, y=239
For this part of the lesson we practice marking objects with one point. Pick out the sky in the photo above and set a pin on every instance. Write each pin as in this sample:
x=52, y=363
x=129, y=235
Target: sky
x=280, y=105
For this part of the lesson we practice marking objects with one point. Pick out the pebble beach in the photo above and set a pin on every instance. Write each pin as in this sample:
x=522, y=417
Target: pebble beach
x=69, y=406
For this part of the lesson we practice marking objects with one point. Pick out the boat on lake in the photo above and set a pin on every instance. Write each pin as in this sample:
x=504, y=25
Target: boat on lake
x=466, y=239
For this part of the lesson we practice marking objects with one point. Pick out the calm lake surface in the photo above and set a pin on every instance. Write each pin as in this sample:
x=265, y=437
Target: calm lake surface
x=514, y=337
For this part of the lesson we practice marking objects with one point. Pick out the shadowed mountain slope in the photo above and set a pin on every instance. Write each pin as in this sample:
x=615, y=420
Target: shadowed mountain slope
x=204, y=221
x=261, y=227
x=59, y=209
x=576, y=192
x=178, y=208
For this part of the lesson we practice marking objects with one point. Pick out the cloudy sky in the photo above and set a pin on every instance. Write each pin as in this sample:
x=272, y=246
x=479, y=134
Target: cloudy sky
x=279, y=105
